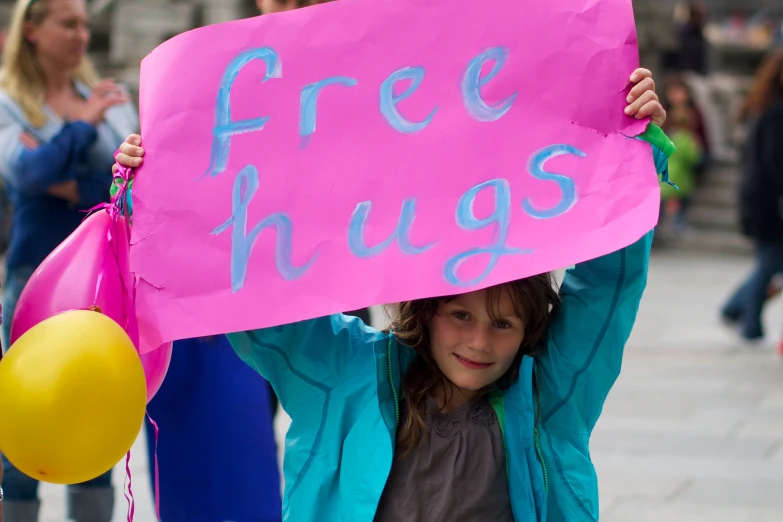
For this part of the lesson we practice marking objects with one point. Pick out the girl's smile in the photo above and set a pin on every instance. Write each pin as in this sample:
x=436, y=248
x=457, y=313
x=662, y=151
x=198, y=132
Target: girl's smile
x=473, y=365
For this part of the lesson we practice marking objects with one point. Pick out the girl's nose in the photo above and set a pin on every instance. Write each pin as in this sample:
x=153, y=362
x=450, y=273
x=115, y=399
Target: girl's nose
x=479, y=338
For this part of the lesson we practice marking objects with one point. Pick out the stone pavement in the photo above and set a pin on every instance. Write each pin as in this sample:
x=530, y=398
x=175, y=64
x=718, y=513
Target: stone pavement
x=693, y=430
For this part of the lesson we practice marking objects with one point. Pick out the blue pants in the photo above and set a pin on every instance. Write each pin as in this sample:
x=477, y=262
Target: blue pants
x=747, y=303
x=16, y=279
x=18, y=487
x=216, y=449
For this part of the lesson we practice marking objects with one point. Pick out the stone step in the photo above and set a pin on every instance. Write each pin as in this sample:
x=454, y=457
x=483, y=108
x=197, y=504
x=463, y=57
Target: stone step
x=715, y=241
x=715, y=195
x=721, y=176
x=714, y=217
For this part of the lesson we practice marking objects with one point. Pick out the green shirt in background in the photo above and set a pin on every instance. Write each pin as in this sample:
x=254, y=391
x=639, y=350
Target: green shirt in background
x=682, y=165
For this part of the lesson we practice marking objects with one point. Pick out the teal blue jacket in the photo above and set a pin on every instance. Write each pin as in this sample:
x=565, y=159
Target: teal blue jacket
x=340, y=382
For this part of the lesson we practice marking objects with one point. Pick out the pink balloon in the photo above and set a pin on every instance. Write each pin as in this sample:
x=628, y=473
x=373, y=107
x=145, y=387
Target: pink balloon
x=90, y=268
x=156, y=365
x=147, y=331
x=154, y=361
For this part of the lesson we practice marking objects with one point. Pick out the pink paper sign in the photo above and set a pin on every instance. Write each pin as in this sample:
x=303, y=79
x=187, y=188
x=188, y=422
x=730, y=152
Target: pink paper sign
x=364, y=152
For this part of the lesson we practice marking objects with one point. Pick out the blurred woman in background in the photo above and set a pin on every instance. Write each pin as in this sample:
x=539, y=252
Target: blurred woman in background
x=761, y=196
x=59, y=127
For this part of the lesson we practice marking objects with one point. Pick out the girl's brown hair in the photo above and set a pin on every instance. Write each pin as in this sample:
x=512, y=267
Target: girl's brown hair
x=767, y=88
x=535, y=301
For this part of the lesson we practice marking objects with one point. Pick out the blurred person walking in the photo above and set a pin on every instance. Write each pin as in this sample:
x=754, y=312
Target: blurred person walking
x=692, y=53
x=761, y=196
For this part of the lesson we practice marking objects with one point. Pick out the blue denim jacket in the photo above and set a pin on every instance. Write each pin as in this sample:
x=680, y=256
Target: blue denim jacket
x=66, y=151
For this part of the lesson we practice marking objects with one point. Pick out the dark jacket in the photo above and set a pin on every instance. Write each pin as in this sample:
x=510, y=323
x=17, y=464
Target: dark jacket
x=693, y=49
x=761, y=188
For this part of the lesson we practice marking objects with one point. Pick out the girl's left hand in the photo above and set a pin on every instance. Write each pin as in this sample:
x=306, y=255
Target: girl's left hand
x=130, y=153
x=643, y=101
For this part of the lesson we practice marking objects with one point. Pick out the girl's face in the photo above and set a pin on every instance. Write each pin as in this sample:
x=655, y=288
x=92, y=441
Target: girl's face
x=472, y=349
x=276, y=6
x=62, y=36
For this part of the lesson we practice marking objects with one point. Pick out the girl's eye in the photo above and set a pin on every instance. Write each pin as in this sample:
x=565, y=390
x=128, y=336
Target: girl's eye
x=462, y=316
x=503, y=325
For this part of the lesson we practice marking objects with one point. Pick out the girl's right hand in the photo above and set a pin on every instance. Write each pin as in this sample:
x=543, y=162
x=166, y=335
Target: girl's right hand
x=130, y=154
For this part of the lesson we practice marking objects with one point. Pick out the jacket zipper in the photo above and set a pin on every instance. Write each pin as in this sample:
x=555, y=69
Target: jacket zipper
x=393, y=389
x=541, y=458
x=498, y=404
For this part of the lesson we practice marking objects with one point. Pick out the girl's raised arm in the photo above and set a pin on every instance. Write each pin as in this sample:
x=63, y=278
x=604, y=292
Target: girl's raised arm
x=600, y=300
x=304, y=360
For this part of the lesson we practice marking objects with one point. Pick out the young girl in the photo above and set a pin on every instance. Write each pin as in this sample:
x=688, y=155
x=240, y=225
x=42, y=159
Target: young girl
x=471, y=408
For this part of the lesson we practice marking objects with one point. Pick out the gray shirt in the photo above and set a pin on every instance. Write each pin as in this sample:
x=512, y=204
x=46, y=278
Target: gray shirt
x=458, y=474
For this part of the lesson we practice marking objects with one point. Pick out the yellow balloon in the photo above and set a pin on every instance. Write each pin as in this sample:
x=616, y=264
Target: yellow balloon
x=72, y=398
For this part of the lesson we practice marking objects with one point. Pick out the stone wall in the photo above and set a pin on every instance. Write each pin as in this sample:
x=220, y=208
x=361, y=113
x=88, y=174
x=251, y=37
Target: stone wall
x=721, y=8
x=124, y=31
x=656, y=31
x=138, y=26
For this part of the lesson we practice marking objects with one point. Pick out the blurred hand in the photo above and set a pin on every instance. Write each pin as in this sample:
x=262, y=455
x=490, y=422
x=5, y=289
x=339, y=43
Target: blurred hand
x=28, y=141
x=104, y=95
x=67, y=190
x=643, y=101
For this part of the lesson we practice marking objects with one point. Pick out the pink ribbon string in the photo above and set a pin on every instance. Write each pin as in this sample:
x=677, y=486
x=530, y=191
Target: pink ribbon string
x=122, y=178
x=116, y=206
x=157, y=469
x=129, y=489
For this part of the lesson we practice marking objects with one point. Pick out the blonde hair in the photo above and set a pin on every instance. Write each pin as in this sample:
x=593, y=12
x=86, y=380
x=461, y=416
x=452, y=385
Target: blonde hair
x=21, y=75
